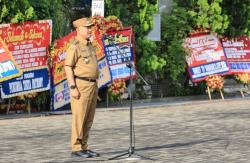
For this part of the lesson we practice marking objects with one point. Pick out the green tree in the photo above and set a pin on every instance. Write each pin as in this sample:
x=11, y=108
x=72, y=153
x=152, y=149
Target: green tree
x=175, y=28
x=208, y=14
x=60, y=11
x=238, y=12
x=139, y=15
x=16, y=11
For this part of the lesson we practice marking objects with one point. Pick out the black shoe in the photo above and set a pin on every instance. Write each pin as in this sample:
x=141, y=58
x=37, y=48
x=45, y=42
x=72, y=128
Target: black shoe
x=81, y=154
x=92, y=153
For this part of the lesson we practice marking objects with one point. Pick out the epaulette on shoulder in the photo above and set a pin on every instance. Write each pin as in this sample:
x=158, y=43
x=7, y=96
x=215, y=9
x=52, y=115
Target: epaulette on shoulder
x=75, y=42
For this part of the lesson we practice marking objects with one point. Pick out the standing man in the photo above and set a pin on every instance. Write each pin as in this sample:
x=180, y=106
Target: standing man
x=82, y=72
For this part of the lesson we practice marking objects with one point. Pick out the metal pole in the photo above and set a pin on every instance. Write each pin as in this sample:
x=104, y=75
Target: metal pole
x=131, y=149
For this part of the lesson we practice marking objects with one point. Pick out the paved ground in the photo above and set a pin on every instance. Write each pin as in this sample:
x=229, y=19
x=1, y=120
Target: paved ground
x=206, y=132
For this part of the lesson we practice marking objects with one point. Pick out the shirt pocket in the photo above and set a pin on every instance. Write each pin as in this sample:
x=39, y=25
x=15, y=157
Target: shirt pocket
x=83, y=51
x=85, y=56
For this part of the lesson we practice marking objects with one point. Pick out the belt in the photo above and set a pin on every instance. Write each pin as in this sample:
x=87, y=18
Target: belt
x=86, y=79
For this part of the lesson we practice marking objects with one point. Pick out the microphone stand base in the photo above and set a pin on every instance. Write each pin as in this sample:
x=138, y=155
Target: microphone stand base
x=130, y=156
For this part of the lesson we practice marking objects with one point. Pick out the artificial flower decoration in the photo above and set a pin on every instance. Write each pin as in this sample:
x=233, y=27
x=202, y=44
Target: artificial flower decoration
x=99, y=25
x=102, y=25
x=116, y=89
x=243, y=78
x=215, y=82
x=113, y=23
x=30, y=95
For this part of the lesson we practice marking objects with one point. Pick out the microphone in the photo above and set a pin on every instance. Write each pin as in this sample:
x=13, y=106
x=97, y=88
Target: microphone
x=129, y=64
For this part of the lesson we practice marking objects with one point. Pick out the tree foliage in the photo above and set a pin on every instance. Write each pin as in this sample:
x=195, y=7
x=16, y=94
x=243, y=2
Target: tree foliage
x=151, y=61
x=208, y=14
x=60, y=11
x=139, y=15
x=238, y=12
x=16, y=11
x=175, y=27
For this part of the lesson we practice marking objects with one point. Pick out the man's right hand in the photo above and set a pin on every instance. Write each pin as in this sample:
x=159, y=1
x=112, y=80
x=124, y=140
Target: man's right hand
x=75, y=93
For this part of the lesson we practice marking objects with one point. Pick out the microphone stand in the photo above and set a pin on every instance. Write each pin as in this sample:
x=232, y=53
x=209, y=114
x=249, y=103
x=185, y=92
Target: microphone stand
x=131, y=149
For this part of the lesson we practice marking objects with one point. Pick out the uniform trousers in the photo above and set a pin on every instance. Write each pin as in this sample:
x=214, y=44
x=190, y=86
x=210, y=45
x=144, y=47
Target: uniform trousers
x=83, y=111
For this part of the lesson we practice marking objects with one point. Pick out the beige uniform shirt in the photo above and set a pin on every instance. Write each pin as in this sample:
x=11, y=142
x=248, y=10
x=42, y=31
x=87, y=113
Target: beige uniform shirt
x=81, y=56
